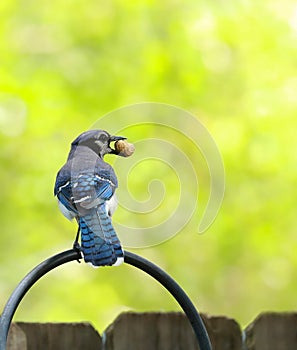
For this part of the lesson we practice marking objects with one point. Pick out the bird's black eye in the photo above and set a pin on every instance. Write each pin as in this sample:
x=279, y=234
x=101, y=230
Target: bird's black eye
x=103, y=138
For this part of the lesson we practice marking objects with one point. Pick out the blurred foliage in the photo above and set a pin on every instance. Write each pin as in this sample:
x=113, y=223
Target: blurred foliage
x=65, y=63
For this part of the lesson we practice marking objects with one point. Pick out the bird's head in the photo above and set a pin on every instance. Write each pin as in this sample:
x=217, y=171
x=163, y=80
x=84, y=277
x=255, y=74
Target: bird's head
x=97, y=140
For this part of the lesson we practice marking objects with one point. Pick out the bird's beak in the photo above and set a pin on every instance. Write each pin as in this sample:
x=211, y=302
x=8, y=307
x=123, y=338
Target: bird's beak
x=114, y=139
x=117, y=138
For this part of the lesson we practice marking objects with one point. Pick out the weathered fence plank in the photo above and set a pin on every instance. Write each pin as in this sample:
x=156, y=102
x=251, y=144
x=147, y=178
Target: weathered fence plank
x=147, y=331
x=271, y=330
x=224, y=332
x=60, y=336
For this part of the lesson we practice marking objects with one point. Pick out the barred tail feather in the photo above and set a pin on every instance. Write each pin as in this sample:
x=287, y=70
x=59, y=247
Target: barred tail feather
x=99, y=242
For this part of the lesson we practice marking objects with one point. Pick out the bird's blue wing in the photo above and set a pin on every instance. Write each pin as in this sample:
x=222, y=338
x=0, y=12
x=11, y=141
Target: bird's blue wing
x=63, y=190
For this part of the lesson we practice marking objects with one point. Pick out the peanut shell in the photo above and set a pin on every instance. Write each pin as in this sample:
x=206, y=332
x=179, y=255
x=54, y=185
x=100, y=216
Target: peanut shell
x=124, y=148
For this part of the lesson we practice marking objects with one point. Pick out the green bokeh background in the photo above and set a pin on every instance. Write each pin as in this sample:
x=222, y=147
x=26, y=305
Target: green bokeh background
x=64, y=64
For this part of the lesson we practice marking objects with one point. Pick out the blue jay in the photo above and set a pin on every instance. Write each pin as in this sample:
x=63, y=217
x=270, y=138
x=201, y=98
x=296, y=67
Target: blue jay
x=85, y=187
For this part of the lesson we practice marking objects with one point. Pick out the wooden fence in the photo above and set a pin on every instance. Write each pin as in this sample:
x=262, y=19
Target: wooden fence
x=158, y=331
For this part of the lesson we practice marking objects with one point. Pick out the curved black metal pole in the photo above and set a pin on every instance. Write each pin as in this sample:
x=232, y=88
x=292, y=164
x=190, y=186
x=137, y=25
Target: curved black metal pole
x=131, y=259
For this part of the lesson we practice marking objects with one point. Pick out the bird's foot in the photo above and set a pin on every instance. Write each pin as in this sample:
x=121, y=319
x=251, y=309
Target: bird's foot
x=77, y=248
